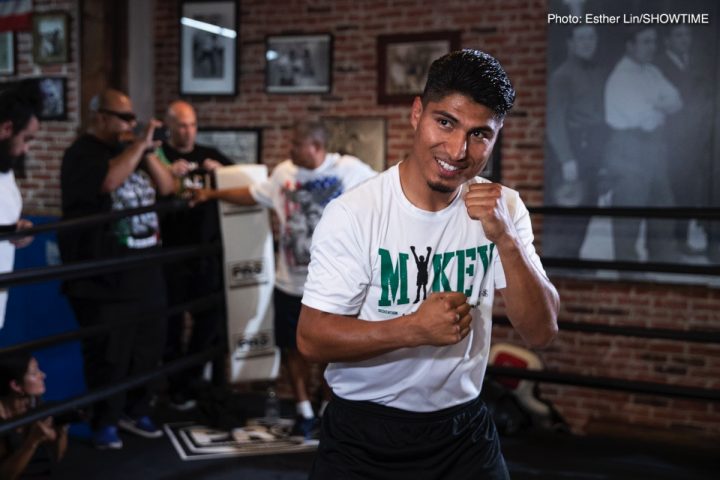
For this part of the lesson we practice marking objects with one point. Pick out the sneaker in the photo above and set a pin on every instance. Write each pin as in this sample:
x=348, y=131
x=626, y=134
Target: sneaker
x=142, y=426
x=306, y=430
x=106, y=438
x=182, y=403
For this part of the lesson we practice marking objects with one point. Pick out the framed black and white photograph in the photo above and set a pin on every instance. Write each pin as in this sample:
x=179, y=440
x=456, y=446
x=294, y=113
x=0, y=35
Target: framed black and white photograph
x=7, y=53
x=50, y=34
x=632, y=122
x=208, y=47
x=299, y=63
x=54, y=98
x=241, y=145
x=361, y=137
x=404, y=61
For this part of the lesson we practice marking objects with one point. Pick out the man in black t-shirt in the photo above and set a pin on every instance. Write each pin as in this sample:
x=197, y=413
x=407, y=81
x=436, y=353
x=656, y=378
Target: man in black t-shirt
x=192, y=278
x=102, y=171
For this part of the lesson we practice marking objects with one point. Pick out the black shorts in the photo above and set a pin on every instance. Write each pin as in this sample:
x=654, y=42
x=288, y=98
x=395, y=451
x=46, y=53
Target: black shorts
x=364, y=440
x=287, y=313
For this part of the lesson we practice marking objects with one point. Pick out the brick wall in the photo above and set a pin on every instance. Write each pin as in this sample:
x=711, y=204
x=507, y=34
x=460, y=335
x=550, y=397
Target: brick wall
x=513, y=31
x=40, y=188
x=355, y=26
x=632, y=358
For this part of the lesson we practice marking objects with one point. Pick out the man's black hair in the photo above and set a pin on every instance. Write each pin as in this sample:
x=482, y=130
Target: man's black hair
x=19, y=103
x=473, y=73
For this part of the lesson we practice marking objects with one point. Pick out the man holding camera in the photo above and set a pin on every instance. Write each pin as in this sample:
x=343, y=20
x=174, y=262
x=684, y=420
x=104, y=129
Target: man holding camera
x=109, y=168
x=196, y=277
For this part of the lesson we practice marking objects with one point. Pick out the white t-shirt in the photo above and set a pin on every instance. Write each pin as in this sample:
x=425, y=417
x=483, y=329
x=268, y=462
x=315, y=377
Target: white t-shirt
x=10, y=208
x=363, y=264
x=299, y=196
x=638, y=96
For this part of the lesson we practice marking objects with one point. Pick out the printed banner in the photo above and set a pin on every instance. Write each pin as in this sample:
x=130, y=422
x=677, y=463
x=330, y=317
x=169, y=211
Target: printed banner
x=15, y=15
x=198, y=442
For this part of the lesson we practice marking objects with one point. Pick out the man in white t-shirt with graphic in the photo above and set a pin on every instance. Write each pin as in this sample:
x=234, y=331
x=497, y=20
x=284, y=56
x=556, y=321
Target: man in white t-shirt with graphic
x=298, y=190
x=406, y=376
x=19, y=108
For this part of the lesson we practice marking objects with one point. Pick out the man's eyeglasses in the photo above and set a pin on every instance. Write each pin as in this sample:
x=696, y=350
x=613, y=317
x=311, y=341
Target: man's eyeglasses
x=124, y=116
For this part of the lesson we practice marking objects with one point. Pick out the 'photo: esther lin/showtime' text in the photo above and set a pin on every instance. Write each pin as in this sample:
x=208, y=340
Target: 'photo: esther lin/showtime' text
x=627, y=19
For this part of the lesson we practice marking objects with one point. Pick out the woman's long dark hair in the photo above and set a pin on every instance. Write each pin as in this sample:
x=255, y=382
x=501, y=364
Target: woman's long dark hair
x=13, y=367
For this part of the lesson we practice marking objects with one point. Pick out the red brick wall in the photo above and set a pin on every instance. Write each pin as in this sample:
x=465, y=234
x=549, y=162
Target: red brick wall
x=40, y=190
x=513, y=31
x=355, y=26
x=632, y=358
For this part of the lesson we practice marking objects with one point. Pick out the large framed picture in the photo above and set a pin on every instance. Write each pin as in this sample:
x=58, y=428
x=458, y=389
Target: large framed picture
x=50, y=36
x=404, y=61
x=299, y=63
x=621, y=140
x=54, y=98
x=241, y=145
x=362, y=137
x=7, y=53
x=208, y=47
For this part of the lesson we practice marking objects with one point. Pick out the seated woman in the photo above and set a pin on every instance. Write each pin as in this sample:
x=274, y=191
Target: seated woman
x=33, y=448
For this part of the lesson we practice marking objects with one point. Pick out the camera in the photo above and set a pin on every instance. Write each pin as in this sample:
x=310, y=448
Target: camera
x=159, y=134
x=196, y=178
x=72, y=416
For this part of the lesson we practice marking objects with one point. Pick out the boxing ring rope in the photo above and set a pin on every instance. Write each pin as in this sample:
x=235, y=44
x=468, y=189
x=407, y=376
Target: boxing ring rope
x=90, y=268
x=610, y=383
x=94, y=395
x=606, y=383
x=698, y=336
x=652, y=212
x=80, y=269
x=196, y=305
x=8, y=232
x=94, y=267
x=630, y=266
x=644, y=212
x=617, y=384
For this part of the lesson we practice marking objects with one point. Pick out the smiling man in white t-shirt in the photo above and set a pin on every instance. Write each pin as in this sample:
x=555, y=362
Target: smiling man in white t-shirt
x=406, y=375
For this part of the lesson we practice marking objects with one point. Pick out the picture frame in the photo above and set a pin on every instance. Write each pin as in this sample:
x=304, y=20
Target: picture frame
x=404, y=61
x=362, y=137
x=689, y=146
x=7, y=53
x=53, y=91
x=51, y=38
x=241, y=145
x=299, y=63
x=209, y=32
